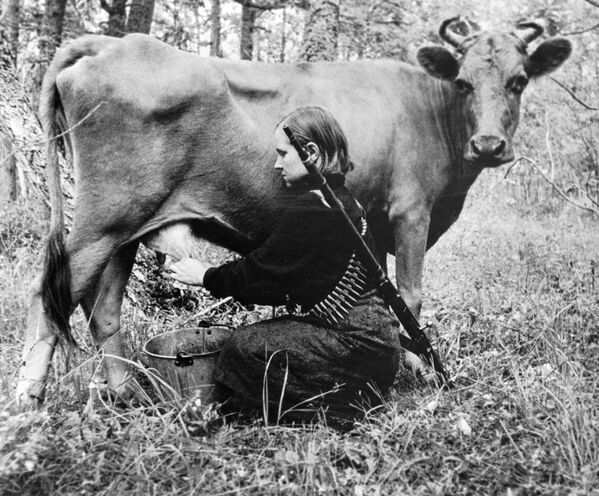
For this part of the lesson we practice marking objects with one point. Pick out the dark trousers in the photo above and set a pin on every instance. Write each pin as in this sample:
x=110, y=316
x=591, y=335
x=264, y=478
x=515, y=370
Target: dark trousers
x=292, y=369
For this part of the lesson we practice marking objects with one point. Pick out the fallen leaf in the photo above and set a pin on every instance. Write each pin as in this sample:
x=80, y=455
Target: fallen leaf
x=431, y=406
x=463, y=426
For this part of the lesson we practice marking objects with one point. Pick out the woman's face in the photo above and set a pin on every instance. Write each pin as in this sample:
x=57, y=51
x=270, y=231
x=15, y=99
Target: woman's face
x=288, y=161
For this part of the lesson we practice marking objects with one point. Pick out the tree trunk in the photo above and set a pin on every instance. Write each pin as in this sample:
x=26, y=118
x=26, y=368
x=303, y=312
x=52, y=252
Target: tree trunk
x=8, y=171
x=6, y=59
x=250, y=11
x=19, y=132
x=283, y=38
x=10, y=22
x=50, y=39
x=140, y=17
x=53, y=24
x=321, y=31
x=215, y=50
x=248, y=24
x=117, y=17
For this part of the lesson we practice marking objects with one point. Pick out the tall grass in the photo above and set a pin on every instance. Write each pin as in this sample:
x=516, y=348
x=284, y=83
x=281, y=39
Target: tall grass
x=513, y=299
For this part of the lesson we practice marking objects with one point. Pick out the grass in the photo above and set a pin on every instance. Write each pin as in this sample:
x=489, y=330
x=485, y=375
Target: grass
x=513, y=298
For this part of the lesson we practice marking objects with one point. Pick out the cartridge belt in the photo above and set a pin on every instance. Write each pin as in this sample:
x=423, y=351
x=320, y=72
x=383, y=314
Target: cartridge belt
x=336, y=305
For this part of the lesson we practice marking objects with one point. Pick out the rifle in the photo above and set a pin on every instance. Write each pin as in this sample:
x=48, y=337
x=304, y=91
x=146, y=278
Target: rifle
x=417, y=343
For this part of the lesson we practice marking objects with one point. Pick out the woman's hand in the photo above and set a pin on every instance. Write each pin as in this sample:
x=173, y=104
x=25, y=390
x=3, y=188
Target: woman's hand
x=188, y=271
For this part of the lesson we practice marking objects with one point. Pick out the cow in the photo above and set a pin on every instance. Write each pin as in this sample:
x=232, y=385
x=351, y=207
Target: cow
x=169, y=143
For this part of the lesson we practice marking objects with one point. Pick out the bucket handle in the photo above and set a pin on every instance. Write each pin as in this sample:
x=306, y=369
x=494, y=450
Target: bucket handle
x=183, y=360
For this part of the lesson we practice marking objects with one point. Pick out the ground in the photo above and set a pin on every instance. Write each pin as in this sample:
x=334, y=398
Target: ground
x=512, y=293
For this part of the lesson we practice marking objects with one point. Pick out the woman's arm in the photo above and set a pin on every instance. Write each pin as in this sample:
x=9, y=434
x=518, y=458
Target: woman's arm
x=302, y=259
x=271, y=272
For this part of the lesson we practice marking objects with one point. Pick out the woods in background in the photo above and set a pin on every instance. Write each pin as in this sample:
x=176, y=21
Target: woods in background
x=311, y=30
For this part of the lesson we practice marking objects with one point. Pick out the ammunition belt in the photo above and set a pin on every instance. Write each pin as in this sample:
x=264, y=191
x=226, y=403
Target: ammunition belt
x=335, y=306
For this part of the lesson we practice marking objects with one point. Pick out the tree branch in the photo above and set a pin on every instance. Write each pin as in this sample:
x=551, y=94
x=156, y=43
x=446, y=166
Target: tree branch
x=571, y=93
x=44, y=141
x=587, y=189
x=301, y=4
x=264, y=5
x=555, y=187
x=594, y=3
x=572, y=33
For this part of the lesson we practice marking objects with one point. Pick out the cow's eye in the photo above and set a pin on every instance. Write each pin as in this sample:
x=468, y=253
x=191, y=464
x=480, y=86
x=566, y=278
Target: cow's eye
x=518, y=83
x=463, y=86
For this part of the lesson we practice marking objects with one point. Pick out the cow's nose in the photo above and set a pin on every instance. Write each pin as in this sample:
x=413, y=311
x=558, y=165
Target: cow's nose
x=484, y=145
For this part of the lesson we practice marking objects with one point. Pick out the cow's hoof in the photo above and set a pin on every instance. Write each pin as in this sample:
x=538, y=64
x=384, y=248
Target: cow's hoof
x=424, y=371
x=28, y=402
x=421, y=369
x=416, y=364
x=29, y=394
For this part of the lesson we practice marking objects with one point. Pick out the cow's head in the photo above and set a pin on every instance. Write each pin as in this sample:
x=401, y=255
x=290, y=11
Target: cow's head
x=490, y=70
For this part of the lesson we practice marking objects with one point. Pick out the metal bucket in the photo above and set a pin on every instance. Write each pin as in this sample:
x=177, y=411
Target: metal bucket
x=186, y=359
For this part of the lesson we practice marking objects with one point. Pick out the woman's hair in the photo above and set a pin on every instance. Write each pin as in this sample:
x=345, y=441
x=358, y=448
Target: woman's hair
x=318, y=125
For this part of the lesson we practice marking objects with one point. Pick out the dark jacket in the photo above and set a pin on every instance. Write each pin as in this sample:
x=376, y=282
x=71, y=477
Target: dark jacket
x=302, y=260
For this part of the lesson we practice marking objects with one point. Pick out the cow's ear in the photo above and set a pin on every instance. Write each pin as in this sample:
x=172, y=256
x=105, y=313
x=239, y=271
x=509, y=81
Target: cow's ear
x=438, y=62
x=548, y=56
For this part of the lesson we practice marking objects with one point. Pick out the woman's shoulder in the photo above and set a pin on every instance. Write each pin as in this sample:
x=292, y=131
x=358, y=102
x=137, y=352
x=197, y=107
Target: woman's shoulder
x=305, y=201
x=311, y=208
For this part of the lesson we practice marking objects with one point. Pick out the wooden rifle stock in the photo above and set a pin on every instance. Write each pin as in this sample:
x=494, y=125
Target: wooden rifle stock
x=418, y=343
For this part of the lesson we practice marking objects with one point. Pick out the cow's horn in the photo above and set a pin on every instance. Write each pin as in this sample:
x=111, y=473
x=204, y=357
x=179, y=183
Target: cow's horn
x=448, y=35
x=528, y=31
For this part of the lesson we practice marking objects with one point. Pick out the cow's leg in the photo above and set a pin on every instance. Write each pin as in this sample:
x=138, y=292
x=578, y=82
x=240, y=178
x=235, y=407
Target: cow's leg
x=379, y=227
x=410, y=227
x=102, y=307
x=411, y=233
x=86, y=260
x=38, y=350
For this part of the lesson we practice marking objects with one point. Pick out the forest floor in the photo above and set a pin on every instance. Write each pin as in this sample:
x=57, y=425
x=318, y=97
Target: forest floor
x=513, y=296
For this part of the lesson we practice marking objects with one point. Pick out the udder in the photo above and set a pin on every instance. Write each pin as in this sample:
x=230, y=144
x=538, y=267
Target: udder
x=176, y=240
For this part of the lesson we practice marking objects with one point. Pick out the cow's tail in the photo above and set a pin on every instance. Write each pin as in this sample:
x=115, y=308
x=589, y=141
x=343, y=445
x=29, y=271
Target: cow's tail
x=56, y=292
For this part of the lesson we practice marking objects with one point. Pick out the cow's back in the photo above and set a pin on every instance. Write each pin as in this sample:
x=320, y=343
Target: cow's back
x=138, y=70
x=382, y=106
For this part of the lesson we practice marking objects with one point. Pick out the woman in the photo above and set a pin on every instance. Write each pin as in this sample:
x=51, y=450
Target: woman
x=336, y=351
